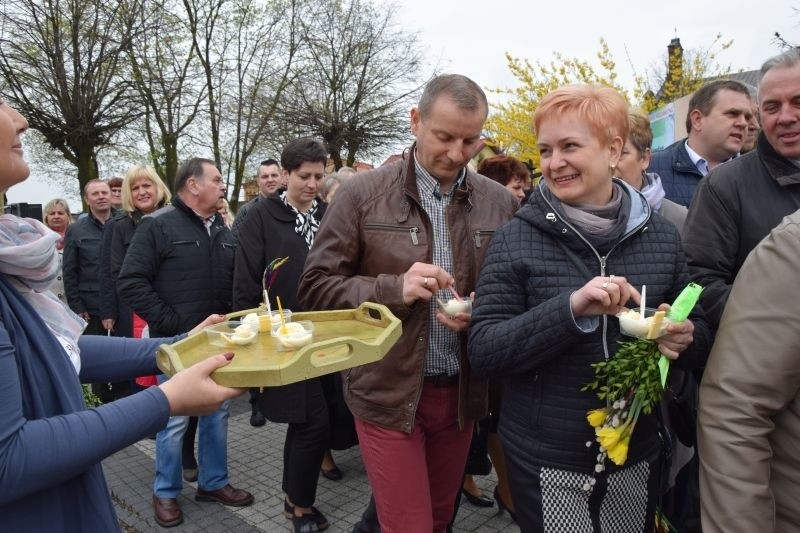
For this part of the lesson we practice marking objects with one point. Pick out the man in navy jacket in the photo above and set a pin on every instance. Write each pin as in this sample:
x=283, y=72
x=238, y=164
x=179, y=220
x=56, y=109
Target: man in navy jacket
x=717, y=126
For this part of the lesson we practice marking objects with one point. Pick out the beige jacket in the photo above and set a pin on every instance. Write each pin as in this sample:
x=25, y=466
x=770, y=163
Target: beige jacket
x=675, y=213
x=749, y=421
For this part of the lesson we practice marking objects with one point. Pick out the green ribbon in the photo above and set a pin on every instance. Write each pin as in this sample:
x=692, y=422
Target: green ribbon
x=678, y=312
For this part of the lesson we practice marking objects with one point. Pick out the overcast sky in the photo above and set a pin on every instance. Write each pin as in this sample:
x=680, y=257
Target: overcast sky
x=471, y=37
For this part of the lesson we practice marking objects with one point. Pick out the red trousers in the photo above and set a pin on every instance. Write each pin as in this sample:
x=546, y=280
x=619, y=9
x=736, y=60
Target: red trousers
x=416, y=476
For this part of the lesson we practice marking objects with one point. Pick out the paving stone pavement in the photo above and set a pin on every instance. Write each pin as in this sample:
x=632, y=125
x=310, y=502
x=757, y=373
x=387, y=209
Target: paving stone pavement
x=255, y=458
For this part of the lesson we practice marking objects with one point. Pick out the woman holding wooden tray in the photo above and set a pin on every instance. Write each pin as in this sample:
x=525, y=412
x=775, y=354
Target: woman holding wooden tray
x=51, y=445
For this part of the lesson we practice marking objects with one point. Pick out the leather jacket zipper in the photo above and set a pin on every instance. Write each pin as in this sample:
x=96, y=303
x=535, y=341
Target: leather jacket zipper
x=412, y=231
x=478, y=233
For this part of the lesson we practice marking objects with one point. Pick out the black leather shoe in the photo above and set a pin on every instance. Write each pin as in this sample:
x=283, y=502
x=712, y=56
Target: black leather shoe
x=478, y=501
x=304, y=524
x=334, y=474
x=319, y=518
x=501, y=506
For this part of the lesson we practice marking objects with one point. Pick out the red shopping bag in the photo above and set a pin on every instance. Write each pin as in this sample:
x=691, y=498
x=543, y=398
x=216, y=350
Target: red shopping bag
x=139, y=326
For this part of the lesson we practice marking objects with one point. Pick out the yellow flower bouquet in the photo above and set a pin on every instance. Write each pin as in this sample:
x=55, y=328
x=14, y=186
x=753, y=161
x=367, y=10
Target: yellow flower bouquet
x=631, y=382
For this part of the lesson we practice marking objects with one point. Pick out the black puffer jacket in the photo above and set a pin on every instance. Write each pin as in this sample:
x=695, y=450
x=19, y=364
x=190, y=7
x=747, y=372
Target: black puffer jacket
x=174, y=274
x=523, y=329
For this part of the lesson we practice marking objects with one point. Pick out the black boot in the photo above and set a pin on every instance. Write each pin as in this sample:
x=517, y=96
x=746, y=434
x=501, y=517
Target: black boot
x=256, y=418
x=369, y=520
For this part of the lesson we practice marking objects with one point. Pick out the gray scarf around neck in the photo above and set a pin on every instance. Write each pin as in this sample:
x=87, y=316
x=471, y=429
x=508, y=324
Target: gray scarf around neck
x=601, y=225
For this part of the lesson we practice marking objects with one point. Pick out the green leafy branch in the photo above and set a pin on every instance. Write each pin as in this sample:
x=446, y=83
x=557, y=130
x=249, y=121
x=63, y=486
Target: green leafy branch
x=633, y=369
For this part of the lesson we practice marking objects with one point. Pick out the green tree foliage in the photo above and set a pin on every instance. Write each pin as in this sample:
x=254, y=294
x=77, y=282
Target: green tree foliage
x=681, y=72
x=510, y=124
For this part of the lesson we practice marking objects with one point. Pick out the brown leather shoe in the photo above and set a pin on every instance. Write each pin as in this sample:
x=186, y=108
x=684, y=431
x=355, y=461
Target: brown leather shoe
x=227, y=495
x=167, y=511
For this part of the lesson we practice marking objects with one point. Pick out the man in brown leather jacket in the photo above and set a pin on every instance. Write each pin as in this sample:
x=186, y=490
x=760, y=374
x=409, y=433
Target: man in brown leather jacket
x=403, y=235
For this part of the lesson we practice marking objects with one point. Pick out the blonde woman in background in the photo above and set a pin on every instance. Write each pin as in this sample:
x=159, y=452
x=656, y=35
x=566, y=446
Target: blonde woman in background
x=225, y=212
x=143, y=192
x=57, y=217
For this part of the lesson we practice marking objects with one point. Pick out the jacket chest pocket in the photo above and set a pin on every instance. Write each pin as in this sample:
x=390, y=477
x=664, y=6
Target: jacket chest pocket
x=87, y=243
x=228, y=249
x=391, y=248
x=394, y=231
x=481, y=237
x=184, y=249
x=480, y=241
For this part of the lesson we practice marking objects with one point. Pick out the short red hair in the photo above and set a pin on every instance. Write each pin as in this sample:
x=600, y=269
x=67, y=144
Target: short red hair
x=603, y=109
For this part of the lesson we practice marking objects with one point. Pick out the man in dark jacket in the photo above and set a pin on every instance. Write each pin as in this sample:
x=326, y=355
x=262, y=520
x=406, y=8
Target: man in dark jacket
x=269, y=180
x=403, y=235
x=178, y=270
x=738, y=204
x=82, y=244
x=717, y=126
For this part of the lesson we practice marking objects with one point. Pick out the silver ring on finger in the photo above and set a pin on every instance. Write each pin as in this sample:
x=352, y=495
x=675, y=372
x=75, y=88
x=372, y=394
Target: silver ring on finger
x=425, y=282
x=605, y=283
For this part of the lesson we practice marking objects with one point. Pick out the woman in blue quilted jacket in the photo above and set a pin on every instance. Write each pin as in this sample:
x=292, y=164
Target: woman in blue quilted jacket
x=551, y=283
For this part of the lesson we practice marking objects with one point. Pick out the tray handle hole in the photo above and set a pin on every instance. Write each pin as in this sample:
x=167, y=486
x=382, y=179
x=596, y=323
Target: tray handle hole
x=327, y=358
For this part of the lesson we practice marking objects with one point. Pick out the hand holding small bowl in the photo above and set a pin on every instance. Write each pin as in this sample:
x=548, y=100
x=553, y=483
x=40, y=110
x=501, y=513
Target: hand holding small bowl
x=454, y=306
x=652, y=326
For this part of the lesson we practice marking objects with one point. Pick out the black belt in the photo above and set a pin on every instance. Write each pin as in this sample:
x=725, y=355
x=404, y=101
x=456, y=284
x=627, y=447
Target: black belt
x=442, y=380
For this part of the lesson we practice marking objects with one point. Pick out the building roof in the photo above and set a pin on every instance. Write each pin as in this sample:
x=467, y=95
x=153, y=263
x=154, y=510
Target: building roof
x=750, y=79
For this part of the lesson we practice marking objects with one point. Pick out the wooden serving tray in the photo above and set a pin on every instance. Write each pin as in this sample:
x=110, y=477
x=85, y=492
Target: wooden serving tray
x=342, y=339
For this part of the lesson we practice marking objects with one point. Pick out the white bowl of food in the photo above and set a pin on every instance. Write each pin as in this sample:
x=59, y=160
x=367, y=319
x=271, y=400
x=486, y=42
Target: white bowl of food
x=454, y=305
x=267, y=321
x=232, y=333
x=293, y=335
x=652, y=326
